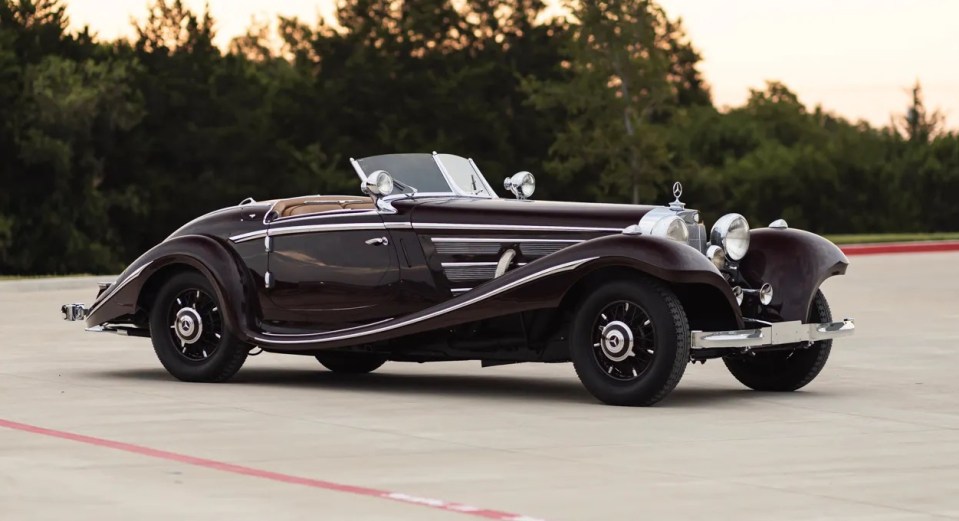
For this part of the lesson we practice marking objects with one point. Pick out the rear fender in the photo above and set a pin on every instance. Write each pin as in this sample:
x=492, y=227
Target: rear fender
x=234, y=286
x=795, y=263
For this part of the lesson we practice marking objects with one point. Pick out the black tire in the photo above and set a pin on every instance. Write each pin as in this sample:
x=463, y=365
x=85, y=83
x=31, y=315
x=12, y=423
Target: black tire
x=784, y=371
x=656, y=322
x=215, y=354
x=351, y=363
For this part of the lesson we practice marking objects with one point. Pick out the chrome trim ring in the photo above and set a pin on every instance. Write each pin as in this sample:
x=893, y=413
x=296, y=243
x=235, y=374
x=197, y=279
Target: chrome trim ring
x=188, y=325
x=617, y=341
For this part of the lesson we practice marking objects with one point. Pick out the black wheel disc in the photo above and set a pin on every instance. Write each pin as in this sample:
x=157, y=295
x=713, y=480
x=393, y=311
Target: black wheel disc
x=623, y=340
x=196, y=325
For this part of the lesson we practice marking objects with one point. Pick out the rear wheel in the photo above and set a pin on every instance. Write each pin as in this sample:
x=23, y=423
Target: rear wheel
x=189, y=334
x=630, y=342
x=351, y=363
x=785, y=370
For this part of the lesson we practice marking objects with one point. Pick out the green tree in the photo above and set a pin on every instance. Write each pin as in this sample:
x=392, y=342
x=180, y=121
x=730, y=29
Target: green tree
x=918, y=124
x=616, y=94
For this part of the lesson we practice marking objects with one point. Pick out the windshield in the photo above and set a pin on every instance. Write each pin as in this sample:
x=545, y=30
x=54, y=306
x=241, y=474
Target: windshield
x=415, y=172
x=428, y=173
x=463, y=172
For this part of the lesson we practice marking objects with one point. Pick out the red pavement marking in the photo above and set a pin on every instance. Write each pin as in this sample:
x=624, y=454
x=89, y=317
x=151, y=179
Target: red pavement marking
x=900, y=247
x=437, y=504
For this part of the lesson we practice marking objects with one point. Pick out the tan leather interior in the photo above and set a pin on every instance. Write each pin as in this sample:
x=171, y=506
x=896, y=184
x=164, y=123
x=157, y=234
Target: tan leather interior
x=321, y=203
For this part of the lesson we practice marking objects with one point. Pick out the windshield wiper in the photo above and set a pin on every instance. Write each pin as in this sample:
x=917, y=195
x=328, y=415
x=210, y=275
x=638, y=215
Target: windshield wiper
x=476, y=191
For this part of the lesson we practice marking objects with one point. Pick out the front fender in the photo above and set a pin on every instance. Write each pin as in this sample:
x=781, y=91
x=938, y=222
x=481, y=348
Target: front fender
x=210, y=256
x=795, y=263
x=704, y=292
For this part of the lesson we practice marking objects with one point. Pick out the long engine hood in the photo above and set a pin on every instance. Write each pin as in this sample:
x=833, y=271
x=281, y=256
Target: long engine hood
x=527, y=213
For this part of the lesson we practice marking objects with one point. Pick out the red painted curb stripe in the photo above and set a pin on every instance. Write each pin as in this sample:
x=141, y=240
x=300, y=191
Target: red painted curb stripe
x=900, y=247
x=437, y=504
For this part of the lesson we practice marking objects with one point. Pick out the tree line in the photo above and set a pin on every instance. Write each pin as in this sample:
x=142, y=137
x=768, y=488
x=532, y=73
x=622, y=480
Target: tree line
x=106, y=147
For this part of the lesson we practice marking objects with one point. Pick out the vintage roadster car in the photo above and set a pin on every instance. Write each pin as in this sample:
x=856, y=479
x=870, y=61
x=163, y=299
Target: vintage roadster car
x=430, y=264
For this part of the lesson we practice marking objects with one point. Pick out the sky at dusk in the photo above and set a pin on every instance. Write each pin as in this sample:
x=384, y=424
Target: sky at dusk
x=855, y=57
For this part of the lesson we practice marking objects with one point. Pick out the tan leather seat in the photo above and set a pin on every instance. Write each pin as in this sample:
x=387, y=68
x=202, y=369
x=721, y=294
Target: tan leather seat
x=321, y=203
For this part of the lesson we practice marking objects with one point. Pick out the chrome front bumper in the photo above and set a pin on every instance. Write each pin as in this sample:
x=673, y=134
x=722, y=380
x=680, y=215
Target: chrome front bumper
x=773, y=334
x=73, y=312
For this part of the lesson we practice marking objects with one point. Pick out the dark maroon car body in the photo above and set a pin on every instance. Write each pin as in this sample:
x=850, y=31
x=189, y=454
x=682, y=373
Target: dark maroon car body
x=331, y=289
x=454, y=272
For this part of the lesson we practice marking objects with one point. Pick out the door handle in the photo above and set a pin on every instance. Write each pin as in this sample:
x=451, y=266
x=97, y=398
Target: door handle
x=378, y=241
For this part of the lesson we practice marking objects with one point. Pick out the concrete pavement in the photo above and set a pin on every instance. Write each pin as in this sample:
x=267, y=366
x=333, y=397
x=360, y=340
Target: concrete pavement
x=876, y=436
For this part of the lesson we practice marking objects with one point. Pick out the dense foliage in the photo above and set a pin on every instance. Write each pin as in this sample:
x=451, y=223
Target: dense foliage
x=107, y=147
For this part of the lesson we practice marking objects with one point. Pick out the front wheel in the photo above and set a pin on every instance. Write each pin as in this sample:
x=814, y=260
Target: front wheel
x=785, y=371
x=630, y=342
x=188, y=332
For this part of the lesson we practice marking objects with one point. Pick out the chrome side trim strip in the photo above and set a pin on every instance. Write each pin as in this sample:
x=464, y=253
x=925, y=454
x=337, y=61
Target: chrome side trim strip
x=117, y=287
x=292, y=230
x=249, y=236
x=500, y=239
x=416, y=226
x=510, y=227
x=311, y=228
x=453, y=307
x=460, y=290
x=474, y=264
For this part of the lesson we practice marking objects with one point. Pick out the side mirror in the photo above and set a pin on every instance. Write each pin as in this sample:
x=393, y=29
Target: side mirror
x=522, y=184
x=378, y=183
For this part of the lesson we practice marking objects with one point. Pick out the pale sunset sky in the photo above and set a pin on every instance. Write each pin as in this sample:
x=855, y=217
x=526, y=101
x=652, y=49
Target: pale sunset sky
x=857, y=58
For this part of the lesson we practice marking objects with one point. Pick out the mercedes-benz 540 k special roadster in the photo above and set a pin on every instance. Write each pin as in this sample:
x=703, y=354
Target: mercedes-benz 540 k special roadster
x=429, y=264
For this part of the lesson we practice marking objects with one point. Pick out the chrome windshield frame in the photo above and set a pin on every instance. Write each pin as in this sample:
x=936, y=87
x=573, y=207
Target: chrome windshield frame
x=454, y=191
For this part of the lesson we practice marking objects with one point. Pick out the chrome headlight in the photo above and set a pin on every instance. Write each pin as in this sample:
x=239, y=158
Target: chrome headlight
x=672, y=228
x=379, y=183
x=731, y=232
x=717, y=256
x=522, y=184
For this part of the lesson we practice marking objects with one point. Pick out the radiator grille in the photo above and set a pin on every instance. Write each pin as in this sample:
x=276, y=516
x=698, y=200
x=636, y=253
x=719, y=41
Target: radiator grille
x=697, y=236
